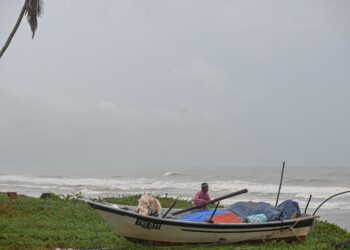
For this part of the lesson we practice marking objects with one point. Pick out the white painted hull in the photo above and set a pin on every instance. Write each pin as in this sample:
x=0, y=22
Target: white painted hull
x=158, y=231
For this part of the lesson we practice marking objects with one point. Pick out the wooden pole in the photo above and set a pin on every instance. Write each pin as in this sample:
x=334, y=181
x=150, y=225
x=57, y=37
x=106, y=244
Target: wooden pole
x=212, y=215
x=279, y=189
x=171, y=207
x=212, y=201
x=307, y=204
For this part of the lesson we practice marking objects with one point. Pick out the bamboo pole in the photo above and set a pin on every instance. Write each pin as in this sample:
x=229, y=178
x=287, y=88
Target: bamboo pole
x=307, y=204
x=279, y=189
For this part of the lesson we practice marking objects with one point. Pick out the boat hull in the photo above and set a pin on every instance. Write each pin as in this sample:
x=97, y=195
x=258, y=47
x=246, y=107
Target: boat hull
x=157, y=231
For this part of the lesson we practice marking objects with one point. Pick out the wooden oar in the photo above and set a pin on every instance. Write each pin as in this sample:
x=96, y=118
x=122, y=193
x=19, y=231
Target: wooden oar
x=212, y=201
x=167, y=211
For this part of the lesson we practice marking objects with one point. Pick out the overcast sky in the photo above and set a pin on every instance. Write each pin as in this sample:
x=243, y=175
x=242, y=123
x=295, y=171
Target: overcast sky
x=165, y=84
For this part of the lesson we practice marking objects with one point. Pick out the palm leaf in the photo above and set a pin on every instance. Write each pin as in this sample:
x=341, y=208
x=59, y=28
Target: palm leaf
x=33, y=11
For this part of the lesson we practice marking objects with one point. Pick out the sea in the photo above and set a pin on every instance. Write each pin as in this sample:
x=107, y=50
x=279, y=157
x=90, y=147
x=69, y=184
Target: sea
x=262, y=184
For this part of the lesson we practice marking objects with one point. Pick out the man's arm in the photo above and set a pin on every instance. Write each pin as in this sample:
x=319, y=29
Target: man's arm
x=197, y=200
x=208, y=197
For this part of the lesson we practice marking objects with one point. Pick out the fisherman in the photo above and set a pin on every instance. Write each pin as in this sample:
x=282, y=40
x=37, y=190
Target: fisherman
x=202, y=196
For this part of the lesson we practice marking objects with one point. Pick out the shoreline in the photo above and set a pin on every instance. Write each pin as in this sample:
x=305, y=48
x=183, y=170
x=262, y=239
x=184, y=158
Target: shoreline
x=337, y=216
x=67, y=222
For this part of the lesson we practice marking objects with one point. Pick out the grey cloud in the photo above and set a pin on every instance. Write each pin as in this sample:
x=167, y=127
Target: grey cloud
x=182, y=83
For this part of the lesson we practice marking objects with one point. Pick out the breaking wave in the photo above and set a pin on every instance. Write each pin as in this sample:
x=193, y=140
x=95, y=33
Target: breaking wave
x=173, y=174
x=309, y=181
x=179, y=186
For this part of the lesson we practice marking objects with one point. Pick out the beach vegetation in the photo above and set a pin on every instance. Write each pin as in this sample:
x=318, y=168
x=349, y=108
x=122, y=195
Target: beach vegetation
x=61, y=222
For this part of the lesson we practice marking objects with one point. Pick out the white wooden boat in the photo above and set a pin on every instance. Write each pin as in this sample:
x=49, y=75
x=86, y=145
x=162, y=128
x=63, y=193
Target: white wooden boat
x=158, y=231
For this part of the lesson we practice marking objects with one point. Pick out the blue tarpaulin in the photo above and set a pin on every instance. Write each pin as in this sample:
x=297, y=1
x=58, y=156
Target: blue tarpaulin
x=290, y=209
x=284, y=211
x=202, y=215
x=245, y=209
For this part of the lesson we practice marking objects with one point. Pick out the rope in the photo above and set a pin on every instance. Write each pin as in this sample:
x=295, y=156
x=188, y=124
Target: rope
x=291, y=228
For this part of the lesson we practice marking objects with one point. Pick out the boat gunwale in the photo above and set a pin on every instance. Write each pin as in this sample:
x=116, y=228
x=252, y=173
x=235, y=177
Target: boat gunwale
x=299, y=222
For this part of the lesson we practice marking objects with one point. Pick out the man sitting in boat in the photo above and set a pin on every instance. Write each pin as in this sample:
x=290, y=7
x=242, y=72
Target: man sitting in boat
x=202, y=196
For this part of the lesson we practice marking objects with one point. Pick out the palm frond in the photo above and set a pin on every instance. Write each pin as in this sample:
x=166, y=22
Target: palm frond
x=34, y=10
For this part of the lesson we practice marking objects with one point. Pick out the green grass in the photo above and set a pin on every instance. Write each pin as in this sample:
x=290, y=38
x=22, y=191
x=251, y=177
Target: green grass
x=31, y=223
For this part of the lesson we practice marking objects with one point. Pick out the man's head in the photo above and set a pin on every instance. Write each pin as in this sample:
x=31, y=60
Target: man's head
x=204, y=187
